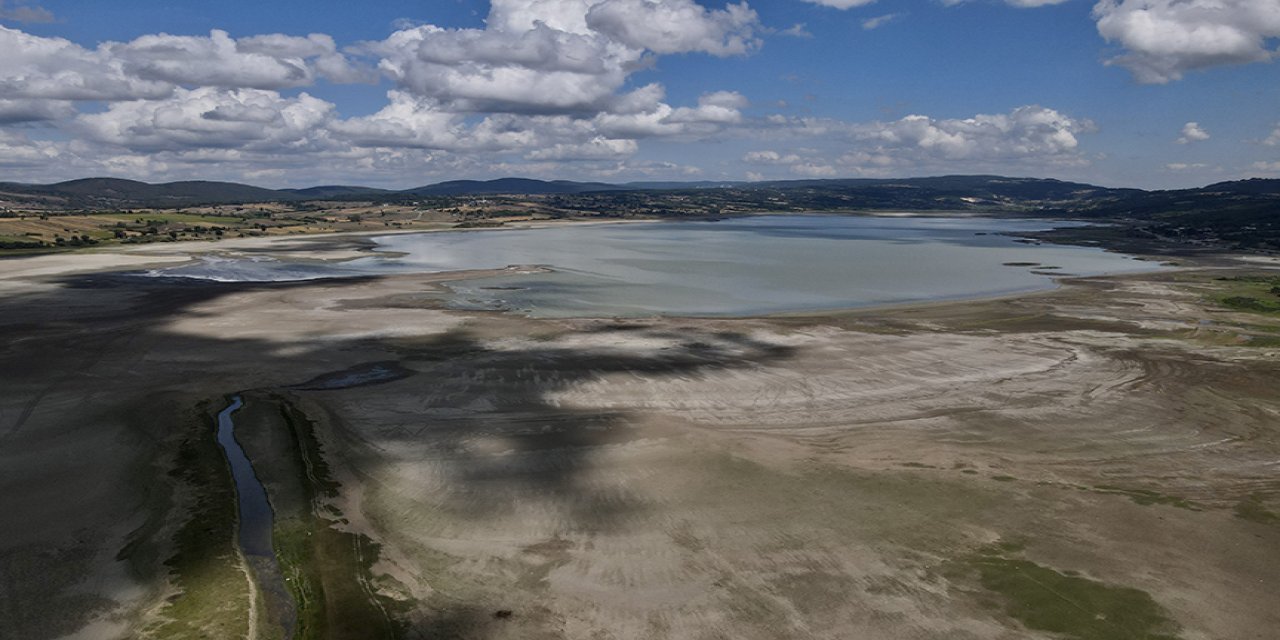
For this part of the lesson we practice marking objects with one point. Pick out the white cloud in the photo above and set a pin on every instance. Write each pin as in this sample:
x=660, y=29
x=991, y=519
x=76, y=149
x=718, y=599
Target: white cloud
x=676, y=26
x=879, y=21
x=260, y=62
x=24, y=12
x=770, y=157
x=151, y=67
x=514, y=16
x=796, y=30
x=33, y=67
x=407, y=120
x=1268, y=167
x=1185, y=166
x=598, y=148
x=642, y=114
x=244, y=119
x=716, y=108
x=556, y=56
x=1166, y=38
x=1273, y=139
x=1030, y=134
x=814, y=170
x=1192, y=132
x=17, y=150
x=539, y=70
x=1026, y=131
x=841, y=4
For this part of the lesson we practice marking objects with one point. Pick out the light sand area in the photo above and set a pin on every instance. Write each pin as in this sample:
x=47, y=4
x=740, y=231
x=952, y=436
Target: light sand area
x=814, y=476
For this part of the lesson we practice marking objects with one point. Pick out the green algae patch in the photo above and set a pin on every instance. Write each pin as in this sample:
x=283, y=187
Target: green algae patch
x=1045, y=599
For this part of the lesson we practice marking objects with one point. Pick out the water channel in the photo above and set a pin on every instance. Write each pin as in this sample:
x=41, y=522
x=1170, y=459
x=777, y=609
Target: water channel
x=255, y=523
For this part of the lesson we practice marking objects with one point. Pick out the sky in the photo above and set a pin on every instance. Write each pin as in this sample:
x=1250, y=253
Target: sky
x=399, y=93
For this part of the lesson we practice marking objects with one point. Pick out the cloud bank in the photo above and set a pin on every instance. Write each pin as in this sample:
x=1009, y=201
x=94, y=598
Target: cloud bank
x=545, y=87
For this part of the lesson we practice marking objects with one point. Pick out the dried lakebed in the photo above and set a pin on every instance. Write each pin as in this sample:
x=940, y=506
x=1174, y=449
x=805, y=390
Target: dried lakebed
x=1094, y=461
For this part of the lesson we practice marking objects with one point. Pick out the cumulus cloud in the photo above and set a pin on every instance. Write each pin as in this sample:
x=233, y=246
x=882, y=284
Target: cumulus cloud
x=1026, y=134
x=1192, y=132
x=153, y=66
x=260, y=62
x=32, y=67
x=643, y=114
x=676, y=26
x=17, y=111
x=556, y=56
x=1026, y=131
x=17, y=150
x=1166, y=38
x=539, y=70
x=208, y=117
x=1185, y=166
x=414, y=121
x=598, y=148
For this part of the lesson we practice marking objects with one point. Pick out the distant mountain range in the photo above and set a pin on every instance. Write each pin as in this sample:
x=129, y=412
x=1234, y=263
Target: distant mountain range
x=1235, y=203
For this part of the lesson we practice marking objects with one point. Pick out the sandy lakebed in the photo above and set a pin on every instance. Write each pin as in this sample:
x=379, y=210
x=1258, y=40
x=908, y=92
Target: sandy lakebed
x=1101, y=460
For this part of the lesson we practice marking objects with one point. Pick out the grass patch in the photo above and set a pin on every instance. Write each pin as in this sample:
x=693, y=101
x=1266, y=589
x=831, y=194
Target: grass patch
x=1146, y=497
x=329, y=572
x=1265, y=342
x=1254, y=294
x=1253, y=510
x=1045, y=599
x=214, y=594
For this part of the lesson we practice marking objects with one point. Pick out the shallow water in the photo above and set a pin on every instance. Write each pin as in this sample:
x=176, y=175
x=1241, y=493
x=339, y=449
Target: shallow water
x=253, y=508
x=256, y=522
x=740, y=266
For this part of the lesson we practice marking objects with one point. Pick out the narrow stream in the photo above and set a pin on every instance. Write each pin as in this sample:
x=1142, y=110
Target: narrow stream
x=254, y=509
x=256, y=521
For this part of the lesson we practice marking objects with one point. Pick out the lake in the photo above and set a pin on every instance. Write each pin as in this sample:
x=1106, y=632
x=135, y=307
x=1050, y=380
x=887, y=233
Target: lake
x=740, y=266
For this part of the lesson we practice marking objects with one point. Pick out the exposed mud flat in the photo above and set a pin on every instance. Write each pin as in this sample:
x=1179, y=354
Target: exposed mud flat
x=819, y=476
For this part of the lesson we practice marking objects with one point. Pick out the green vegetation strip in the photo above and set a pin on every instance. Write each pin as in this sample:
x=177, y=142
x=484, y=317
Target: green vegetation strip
x=1146, y=497
x=1256, y=294
x=329, y=572
x=214, y=593
x=1048, y=600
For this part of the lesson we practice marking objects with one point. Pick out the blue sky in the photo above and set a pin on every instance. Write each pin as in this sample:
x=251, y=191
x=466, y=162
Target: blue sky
x=1148, y=93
